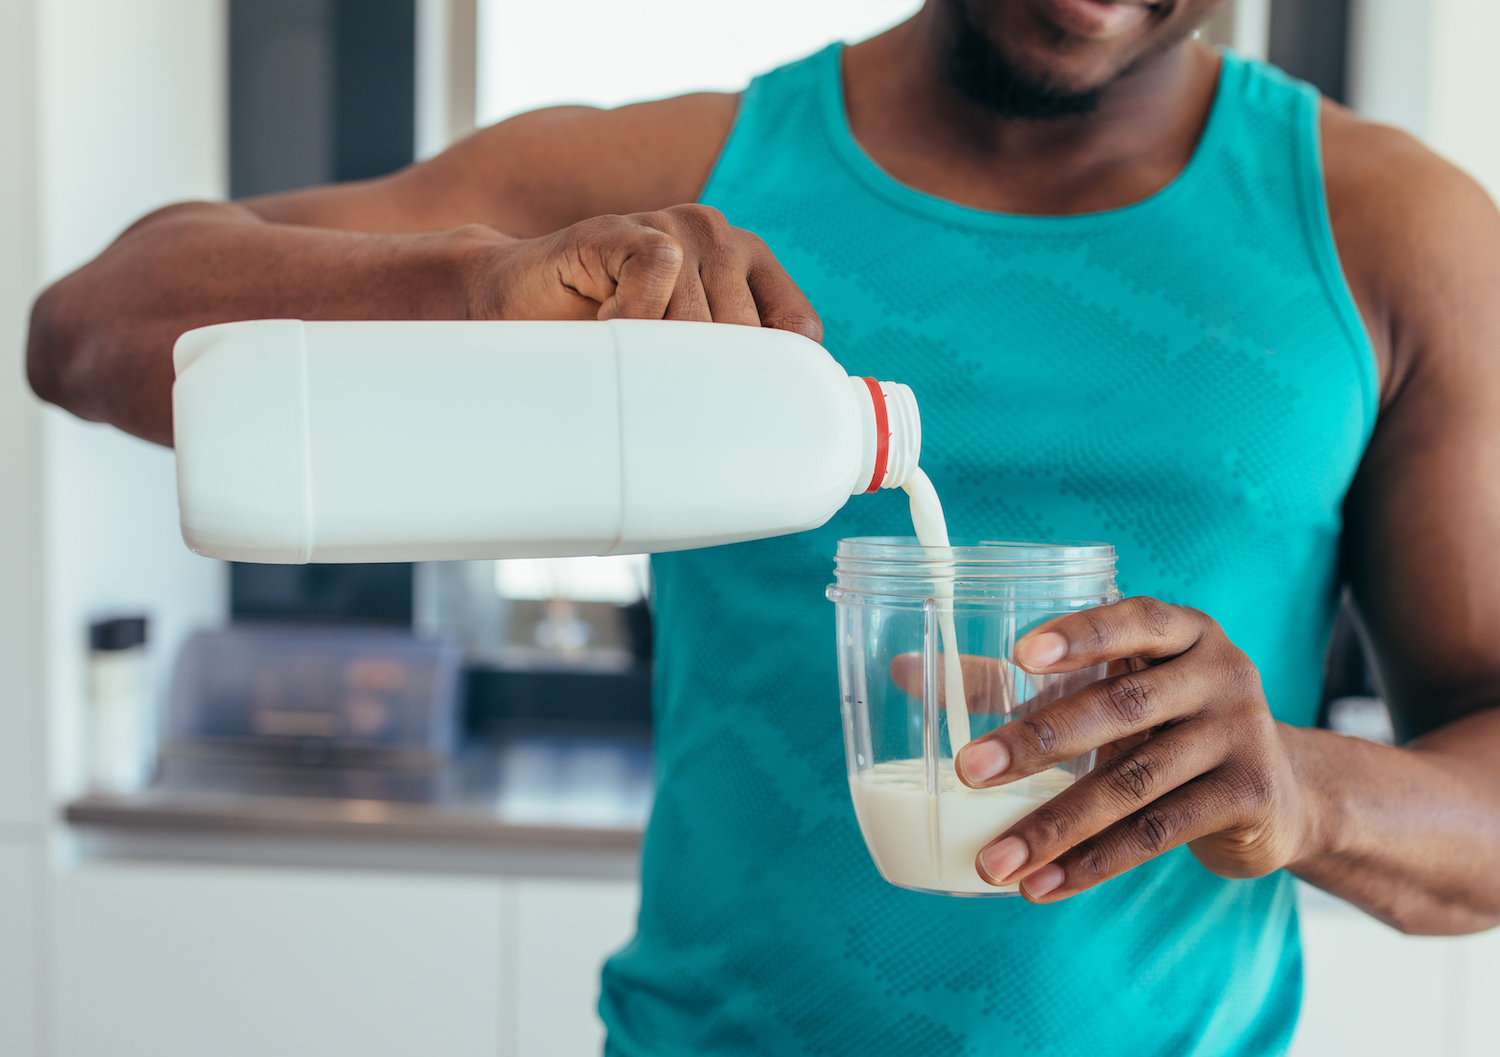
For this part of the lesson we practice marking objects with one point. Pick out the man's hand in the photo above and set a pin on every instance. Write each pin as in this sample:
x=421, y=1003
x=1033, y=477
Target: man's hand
x=1197, y=758
x=685, y=262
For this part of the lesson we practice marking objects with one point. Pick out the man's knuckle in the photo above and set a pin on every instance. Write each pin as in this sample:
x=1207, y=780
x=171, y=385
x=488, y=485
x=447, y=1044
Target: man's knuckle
x=755, y=247
x=1131, y=698
x=1037, y=735
x=1047, y=827
x=1098, y=635
x=596, y=228
x=793, y=320
x=1251, y=786
x=1092, y=859
x=662, y=248
x=704, y=214
x=1154, y=828
x=638, y=225
x=1133, y=776
x=1156, y=617
x=705, y=222
x=1199, y=616
x=1242, y=673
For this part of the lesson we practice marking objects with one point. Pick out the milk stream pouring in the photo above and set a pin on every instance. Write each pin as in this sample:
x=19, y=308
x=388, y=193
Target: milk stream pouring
x=417, y=441
x=932, y=531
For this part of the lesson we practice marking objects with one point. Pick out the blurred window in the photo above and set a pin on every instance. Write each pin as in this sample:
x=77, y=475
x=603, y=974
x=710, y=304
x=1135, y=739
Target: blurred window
x=621, y=579
x=1310, y=39
x=608, y=52
x=319, y=90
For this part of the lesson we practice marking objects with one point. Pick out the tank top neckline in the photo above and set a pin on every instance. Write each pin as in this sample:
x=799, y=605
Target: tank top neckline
x=829, y=78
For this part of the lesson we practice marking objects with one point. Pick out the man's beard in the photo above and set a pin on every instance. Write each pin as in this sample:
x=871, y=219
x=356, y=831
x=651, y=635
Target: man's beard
x=984, y=75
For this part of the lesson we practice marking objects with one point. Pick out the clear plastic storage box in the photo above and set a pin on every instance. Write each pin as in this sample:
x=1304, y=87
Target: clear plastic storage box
x=317, y=694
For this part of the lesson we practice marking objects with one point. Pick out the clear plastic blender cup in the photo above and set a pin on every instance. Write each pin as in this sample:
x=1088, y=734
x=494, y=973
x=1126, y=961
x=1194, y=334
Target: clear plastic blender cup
x=893, y=598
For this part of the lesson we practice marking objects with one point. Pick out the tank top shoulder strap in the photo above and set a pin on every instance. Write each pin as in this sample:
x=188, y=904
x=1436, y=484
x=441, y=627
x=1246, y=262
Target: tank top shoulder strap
x=1266, y=168
x=778, y=131
x=1264, y=129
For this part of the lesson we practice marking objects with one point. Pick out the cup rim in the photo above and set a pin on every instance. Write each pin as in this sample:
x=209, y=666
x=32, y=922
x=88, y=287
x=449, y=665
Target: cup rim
x=968, y=549
x=989, y=572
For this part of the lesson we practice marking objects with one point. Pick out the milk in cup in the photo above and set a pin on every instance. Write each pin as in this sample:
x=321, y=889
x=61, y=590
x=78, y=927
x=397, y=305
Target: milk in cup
x=897, y=597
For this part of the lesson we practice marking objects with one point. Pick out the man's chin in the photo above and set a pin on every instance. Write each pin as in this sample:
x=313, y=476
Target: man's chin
x=984, y=75
x=1095, y=19
x=1023, y=70
x=1052, y=58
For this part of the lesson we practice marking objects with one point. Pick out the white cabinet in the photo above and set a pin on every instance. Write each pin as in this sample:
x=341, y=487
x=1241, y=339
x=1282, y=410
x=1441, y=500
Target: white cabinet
x=184, y=961
x=1478, y=1010
x=1373, y=992
x=565, y=930
x=20, y=943
x=179, y=960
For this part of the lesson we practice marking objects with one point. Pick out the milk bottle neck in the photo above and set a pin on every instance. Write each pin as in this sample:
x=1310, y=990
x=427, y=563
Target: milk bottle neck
x=892, y=434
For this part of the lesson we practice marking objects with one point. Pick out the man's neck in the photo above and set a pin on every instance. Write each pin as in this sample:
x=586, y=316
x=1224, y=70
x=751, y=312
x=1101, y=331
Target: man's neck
x=917, y=125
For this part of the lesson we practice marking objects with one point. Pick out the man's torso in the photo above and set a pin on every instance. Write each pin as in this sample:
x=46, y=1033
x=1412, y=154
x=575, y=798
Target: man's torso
x=1183, y=378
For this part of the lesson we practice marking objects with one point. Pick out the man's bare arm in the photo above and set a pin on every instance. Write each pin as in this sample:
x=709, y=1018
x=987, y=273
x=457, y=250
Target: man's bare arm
x=571, y=213
x=1413, y=833
x=533, y=174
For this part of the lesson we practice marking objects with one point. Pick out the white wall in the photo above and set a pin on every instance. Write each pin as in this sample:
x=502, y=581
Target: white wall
x=590, y=51
x=106, y=110
x=1390, y=61
x=1244, y=25
x=20, y=948
x=1429, y=67
x=22, y=784
x=21, y=689
x=1464, y=119
x=132, y=116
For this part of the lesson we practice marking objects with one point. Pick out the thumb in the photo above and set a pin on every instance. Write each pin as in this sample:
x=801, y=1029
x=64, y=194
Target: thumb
x=986, y=687
x=629, y=268
x=645, y=276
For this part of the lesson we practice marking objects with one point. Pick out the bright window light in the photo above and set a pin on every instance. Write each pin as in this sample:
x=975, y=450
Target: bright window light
x=607, y=52
x=621, y=578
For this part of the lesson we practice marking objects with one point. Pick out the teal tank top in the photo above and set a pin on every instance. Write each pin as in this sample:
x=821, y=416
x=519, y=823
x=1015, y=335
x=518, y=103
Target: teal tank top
x=1186, y=378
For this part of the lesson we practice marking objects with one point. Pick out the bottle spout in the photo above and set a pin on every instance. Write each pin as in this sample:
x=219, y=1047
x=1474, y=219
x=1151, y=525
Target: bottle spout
x=892, y=434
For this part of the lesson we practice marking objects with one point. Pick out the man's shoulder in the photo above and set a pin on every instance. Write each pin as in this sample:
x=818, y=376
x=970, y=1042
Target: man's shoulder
x=573, y=162
x=1411, y=227
x=1368, y=164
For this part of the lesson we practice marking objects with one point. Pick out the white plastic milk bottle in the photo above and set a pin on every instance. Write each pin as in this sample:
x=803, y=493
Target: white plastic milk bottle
x=419, y=441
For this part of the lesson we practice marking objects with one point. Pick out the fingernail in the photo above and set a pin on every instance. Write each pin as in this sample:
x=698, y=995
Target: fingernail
x=979, y=761
x=1043, y=881
x=1040, y=651
x=999, y=861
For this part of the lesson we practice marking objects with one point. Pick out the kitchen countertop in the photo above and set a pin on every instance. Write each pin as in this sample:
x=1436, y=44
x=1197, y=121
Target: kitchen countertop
x=548, y=804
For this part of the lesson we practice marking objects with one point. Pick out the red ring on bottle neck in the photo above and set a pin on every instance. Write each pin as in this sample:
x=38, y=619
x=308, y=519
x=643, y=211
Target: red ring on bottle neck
x=882, y=434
